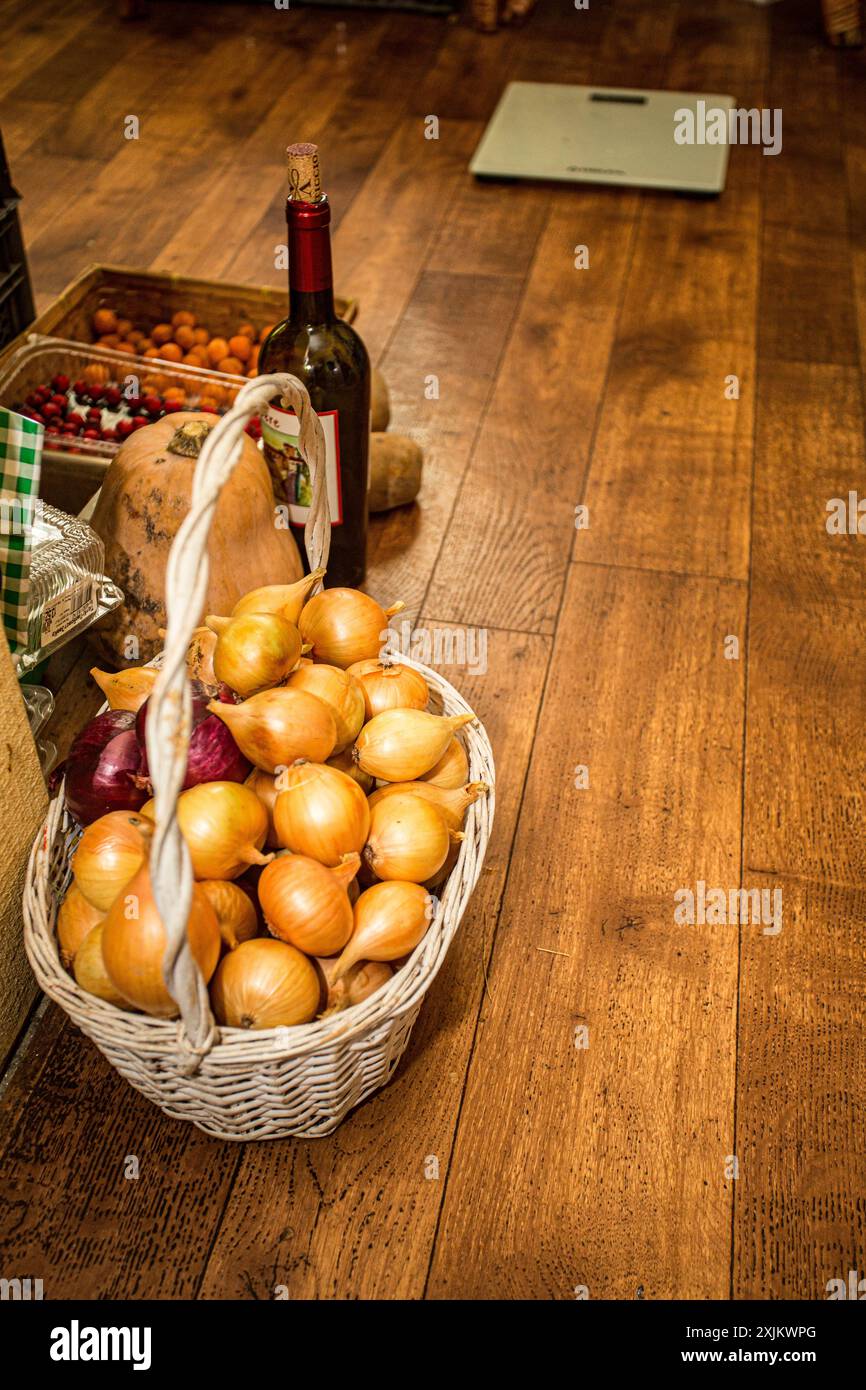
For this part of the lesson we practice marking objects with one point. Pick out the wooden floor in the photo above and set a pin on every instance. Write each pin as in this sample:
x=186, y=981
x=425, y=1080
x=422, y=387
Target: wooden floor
x=711, y=1049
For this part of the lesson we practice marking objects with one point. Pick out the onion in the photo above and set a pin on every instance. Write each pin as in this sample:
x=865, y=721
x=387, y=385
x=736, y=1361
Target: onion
x=90, y=972
x=452, y=769
x=75, y=920
x=388, y=686
x=340, y=692
x=320, y=812
x=224, y=825
x=134, y=941
x=306, y=904
x=408, y=840
x=345, y=626
x=102, y=766
x=400, y=745
x=275, y=727
x=390, y=920
x=213, y=755
x=110, y=852
x=359, y=982
x=265, y=984
x=235, y=911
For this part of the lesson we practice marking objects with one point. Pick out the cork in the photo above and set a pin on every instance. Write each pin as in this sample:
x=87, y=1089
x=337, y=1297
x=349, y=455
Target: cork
x=305, y=181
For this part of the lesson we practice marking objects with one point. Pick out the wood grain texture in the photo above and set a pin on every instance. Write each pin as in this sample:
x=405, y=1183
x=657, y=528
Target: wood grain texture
x=576, y=1166
x=800, y=1211
x=557, y=1165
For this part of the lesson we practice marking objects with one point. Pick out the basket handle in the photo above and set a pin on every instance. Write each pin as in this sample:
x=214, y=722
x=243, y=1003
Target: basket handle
x=169, y=714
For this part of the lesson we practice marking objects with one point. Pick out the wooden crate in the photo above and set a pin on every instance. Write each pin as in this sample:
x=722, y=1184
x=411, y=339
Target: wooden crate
x=148, y=297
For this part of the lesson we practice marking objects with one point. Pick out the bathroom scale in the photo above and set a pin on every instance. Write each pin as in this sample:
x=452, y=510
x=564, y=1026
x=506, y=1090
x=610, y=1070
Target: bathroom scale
x=618, y=135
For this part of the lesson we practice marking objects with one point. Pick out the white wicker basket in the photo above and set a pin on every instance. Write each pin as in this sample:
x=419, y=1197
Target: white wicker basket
x=232, y=1083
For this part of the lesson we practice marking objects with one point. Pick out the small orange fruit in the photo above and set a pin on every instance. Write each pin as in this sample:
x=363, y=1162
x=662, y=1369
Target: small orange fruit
x=109, y=340
x=268, y=328
x=183, y=318
x=207, y=403
x=96, y=373
x=127, y=347
x=184, y=336
x=200, y=336
x=231, y=365
x=175, y=393
x=171, y=352
x=104, y=321
x=217, y=349
x=161, y=333
x=240, y=347
x=153, y=352
x=247, y=331
x=123, y=327
x=144, y=344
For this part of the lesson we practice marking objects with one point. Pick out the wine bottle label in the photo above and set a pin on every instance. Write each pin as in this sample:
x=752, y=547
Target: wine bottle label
x=280, y=444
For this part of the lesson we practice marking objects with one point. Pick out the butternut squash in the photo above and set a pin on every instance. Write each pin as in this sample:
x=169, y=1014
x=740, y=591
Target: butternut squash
x=144, y=498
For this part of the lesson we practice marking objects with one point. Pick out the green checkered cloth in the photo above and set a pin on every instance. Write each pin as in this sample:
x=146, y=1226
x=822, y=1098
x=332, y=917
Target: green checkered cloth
x=20, y=464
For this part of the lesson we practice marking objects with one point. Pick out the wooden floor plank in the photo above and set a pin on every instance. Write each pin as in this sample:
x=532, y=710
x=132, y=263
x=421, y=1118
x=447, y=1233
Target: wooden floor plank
x=800, y=1213
x=576, y=1165
x=354, y=1215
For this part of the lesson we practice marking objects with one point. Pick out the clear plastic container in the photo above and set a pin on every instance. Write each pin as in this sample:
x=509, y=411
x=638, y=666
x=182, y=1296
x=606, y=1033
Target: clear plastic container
x=68, y=589
x=40, y=359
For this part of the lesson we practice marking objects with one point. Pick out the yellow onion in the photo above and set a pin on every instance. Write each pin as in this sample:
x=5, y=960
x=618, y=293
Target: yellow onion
x=408, y=839
x=126, y=689
x=199, y=657
x=285, y=599
x=148, y=810
x=111, y=850
x=345, y=626
x=275, y=727
x=320, y=812
x=265, y=984
x=340, y=692
x=452, y=769
x=400, y=745
x=224, y=825
x=358, y=983
x=390, y=919
x=453, y=803
x=76, y=918
x=345, y=762
x=90, y=972
x=134, y=941
x=444, y=870
x=264, y=784
x=254, y=651
x=235, y=914
x=306, y=904
x=388, y=686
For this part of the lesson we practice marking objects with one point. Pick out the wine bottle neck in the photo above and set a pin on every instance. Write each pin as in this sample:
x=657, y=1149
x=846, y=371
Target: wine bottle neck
x=311, y=288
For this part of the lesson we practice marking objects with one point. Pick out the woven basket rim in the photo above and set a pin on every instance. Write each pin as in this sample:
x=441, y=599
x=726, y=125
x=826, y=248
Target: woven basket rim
x=237, y=1048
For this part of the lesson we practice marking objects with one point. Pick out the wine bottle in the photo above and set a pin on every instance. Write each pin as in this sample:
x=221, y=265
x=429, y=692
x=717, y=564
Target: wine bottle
x=327, y=355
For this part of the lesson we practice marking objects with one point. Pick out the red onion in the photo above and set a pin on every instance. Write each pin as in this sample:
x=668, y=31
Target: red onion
x=213, y=754
x=101, y=768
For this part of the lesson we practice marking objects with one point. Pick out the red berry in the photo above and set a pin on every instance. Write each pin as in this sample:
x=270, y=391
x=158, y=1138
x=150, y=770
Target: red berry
x=60, y=382
x=80, y=388
x=133, y=402
x=170, y=406
x=91, y=434
x=37, y=416
x=110, y=435
x=113, y=396
x=32, y=400
x=139, y=422
x=50, y=410
x=152, y=404
x=61, y=402
x=124, y=427
x=94, y=413
x=52, y=427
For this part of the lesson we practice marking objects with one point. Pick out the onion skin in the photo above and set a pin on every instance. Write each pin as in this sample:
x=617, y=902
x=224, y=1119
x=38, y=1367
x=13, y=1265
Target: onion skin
x=90, y=972
x=102, y=766
x=285, y=599
x=75, y=920
x=344, y=762
x=133, y=945
x=344, y=626
x=213, y=755
x=264, y=784
x=126, y=689
x=265, y=984
x=400, y=745
x=340, y=692
x=306, y=904
x=409, y=839
x=452, y=804
x=390, y=920
x=358, y=983
x=235, y=911
x=276, y=727
x=224, y=825
x=254, y=651
x=110, y=852
x=390, y=686
x=320, y=812
x=452, y=769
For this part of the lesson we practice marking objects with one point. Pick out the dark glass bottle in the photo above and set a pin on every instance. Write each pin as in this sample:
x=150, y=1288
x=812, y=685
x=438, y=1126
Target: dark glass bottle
x=327, y=355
